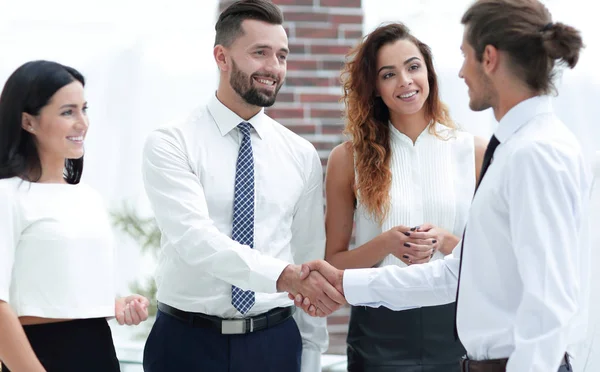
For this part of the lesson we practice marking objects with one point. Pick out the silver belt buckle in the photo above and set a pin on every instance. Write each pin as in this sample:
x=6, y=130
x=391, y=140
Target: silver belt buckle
x=235, y=326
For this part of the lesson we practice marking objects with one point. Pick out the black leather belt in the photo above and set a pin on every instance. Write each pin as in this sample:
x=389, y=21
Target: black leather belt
x=230, y=326
x=493, y=365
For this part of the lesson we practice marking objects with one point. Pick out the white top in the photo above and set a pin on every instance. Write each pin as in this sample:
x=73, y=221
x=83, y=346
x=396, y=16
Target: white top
x=56, y=251
x=189, y=176
x=432, y=182
x=525, y=278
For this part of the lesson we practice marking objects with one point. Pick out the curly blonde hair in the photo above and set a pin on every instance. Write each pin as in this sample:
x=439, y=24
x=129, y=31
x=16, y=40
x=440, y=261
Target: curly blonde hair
x=367, y=116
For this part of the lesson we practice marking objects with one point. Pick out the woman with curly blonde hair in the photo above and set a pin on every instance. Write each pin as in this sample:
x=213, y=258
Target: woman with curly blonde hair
x=407, y=168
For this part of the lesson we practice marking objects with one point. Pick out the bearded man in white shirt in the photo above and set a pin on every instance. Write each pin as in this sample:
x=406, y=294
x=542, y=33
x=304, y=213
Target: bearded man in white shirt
x=521, y=274
x=238, y=199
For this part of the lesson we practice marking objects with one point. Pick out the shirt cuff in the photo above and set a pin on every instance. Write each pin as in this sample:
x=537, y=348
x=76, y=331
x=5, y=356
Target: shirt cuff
x=270, y=270
x=356, y=286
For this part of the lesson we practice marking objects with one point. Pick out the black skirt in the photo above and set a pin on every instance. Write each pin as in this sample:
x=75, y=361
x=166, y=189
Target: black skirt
x=74, y=346
x=417, y=340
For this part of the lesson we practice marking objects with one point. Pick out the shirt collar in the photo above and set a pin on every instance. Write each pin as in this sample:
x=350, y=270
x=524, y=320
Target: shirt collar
x=520, y=114
x=227, y=120
x=426, y=133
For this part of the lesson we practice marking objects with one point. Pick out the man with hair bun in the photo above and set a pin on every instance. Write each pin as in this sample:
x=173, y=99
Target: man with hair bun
x=521, y=275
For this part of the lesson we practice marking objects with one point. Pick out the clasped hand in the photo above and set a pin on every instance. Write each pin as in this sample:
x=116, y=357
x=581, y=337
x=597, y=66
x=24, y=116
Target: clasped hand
x=131, y=310
x=412, y=245
x=319, y=290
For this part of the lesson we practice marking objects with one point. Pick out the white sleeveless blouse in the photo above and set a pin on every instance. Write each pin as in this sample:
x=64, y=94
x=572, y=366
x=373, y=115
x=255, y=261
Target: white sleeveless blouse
x=433, y=181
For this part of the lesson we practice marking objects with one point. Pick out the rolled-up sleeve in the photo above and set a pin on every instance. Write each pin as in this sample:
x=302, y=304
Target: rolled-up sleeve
x=179, y=204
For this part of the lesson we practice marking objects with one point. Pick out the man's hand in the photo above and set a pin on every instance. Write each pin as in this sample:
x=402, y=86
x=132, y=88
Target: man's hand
x=312, y=286
x=331, y=274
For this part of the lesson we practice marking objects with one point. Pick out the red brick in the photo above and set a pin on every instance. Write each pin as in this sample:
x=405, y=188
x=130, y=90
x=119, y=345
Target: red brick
x=301, y=65
x=346, y=18
x=302, y=129
x=335, y=82
x=317, y=33
x=337, y=344
x=329, y=49
x=341, y=3
x=293, y=2
x=353, y=34
x=286, y=113
x=306, y=17
x=325, y=113
x=285, y=97
x=338, y=319
x=333, y=129
x=324, y=145
x=333, y=65
x=298, y=48
x=325, y=98
x=308, y=81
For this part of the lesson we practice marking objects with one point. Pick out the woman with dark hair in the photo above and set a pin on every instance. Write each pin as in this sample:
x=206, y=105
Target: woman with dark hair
x=56, y=256
x=406, y=169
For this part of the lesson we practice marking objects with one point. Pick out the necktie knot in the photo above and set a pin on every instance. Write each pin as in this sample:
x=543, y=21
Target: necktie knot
x=487, y=158
x=244, y=128
x=492, y=146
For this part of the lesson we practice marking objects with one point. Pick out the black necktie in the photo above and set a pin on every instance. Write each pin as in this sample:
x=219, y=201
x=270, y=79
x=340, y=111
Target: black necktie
x=487, y=160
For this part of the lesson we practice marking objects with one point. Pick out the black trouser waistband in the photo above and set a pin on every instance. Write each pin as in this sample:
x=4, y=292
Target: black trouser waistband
x=230, y=326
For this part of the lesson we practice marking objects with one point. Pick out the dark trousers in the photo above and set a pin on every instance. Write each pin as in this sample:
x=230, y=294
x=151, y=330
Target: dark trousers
x=176, y=346
x=73, y=346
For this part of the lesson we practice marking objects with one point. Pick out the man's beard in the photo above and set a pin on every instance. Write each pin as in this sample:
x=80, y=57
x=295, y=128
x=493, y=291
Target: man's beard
x=485, y=98
x=242, y=84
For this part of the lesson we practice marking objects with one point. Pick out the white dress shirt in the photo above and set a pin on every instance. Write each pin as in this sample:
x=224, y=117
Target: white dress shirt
x=433, y=180
x=56, y=250
x=189, y=175
x=525, y=278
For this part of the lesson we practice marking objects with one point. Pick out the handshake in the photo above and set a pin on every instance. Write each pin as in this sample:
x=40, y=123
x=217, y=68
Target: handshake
x=316, y=287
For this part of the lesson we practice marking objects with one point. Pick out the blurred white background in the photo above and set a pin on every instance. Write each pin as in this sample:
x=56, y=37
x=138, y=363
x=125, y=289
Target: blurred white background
x=147, y=63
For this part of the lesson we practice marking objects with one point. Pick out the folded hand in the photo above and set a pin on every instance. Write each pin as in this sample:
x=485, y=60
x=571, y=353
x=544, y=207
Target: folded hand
x=131, y=310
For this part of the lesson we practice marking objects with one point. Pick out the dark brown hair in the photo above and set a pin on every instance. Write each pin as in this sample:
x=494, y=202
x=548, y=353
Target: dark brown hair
x=229, y=24
x=28, y=90
x=524, y=29
x=367, y=115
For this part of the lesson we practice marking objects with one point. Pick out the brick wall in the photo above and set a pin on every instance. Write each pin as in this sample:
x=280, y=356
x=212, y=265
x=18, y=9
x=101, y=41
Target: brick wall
x=320, y=34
